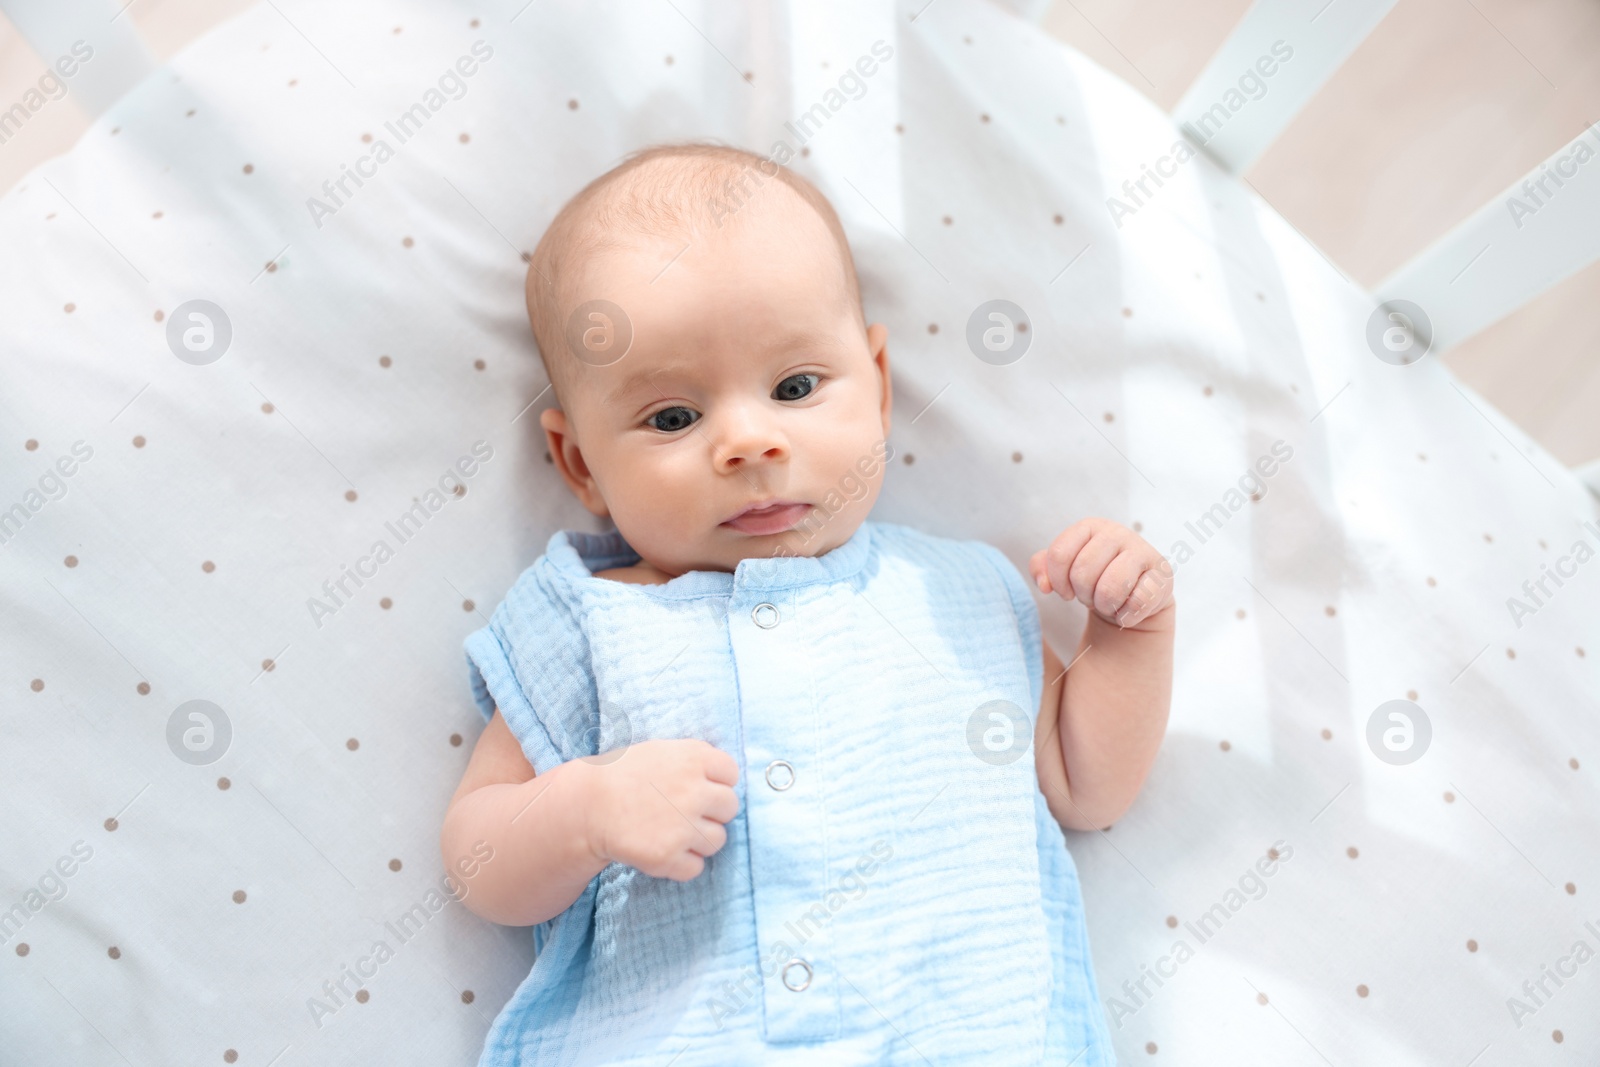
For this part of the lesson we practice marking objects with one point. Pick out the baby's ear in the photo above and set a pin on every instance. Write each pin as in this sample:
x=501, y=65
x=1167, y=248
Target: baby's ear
x=878, y=348
x=568, y=459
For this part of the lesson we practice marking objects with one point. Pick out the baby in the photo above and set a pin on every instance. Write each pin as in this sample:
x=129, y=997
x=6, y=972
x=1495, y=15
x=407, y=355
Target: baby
x=754, y=767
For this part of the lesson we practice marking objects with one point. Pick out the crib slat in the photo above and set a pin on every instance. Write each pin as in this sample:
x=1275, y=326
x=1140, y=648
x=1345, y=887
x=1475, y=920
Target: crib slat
x=1523, y=242
x=64, y=32
x=1275, y=60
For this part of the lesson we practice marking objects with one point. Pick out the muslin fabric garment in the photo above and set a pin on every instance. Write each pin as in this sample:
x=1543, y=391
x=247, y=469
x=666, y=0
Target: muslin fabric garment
x=907, y=858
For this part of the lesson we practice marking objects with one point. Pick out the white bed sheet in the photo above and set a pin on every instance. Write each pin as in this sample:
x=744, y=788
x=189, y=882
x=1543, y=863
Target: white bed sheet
x=1168, y=354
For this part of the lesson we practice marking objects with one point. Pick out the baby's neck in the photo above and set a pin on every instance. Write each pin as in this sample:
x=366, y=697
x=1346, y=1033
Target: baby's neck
x=640, y=573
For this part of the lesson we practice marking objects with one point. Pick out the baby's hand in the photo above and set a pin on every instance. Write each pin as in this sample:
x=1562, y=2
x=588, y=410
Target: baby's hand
x=660, y=806
x=1108, y=568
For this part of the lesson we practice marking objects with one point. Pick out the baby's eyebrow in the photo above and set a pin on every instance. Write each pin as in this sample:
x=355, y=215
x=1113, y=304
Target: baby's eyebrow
x=785, y=343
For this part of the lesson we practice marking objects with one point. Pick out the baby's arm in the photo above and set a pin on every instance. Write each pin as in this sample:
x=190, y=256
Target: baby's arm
x=1101, y=722
x=658, y=806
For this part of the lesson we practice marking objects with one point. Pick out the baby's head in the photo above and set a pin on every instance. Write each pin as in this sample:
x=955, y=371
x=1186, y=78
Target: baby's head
x=698, y=314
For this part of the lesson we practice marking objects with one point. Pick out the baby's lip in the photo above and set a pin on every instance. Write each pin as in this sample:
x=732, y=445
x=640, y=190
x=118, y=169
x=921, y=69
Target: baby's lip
x=768, y=516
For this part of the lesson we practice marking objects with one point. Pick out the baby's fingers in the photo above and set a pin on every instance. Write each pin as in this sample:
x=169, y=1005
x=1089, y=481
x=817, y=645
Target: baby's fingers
x=1114, y=591
x=1051, y=565
x=1151, y=593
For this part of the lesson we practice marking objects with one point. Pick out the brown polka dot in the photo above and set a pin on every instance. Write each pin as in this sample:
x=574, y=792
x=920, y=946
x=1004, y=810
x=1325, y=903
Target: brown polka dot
x=397, y=29
x=1431, y=580
x=385, y=603
x=1172, y=922
x=36, y=685
x=230, y=1056
x=1489, y=539
x=293, y=82
x=460, y=490
x=1110, y=417
x=1472, y=946
x=30, y=444
x=1573, y=763
x=464, y=138
x=224, y=784
x=1207, y=390
x=983, y=118
x=899, y=128
x=1138, y=527
x=249, y=168
x=384, y=361
x=138, y=440
x=1239, y=613
x=1022, y=327
x=1127, y=313
x=1272, y=853
x=1361, y=990
x=948, y=221
x=474, y=25
x=208, y=566
x=669, y=61
x=455, y=740
x=268, y=665
x=1511, y=653
x=157, y=215
x=1449, y=797
x=572, y=105
x=71, y=561
x=189, y=114
x=408, y=242
x=394, y=865
x=267, y=408
x=143, y=688
x=1352, y=852
x=350, y=495
x=1261, y=998
x=1016, y=457
x=1327, y=735
x=272, y=266
x=479, y=364
x=352, y=744
x=1572, y=890
x=362, y=996
x=1581, y=652
x=1422, y=457
x=114, y=952
x=1261, y=297
x=1330, y=611
x=1150, y=1047
x=1555, y=1035
x=805, y=150
x=547, y=458
x=466, y=996
x=910, y=459
x=70, y=308
x=22, y=949
x=1225, y=746
x=527, y=257
x=366, y=138
x=238, y=896
x=467, y=605
x=111, y=824
x=933, y=327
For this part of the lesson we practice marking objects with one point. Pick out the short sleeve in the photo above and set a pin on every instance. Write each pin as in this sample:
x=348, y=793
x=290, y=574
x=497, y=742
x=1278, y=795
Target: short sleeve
x=1027, y=616
x=532, y=662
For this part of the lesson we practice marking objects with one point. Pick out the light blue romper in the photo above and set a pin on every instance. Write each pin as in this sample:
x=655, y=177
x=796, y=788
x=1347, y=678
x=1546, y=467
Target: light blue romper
x=893, y=890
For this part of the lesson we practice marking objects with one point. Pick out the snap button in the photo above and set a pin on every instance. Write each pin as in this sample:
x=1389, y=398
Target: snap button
x=797, y=962
x=780, y=765
x=765, y=615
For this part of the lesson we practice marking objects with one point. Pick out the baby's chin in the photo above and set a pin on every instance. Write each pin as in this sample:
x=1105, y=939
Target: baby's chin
x=725, y=548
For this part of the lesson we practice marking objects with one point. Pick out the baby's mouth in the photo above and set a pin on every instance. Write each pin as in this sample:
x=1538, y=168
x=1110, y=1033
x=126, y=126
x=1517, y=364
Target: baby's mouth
x=776, y=517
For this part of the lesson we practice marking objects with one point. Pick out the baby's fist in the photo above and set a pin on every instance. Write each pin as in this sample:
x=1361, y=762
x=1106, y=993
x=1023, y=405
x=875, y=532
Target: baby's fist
x=1108, y=568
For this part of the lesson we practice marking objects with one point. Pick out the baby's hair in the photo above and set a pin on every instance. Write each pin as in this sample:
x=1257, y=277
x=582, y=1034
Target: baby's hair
x=661, y=190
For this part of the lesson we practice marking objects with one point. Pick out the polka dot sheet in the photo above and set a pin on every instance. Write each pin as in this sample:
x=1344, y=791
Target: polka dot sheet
x=271, y=451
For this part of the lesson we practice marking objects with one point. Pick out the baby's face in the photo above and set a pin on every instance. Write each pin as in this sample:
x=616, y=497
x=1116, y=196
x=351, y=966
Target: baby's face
x=749, y=382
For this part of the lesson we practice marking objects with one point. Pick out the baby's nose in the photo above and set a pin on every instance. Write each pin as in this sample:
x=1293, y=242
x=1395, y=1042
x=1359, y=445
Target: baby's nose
x=745, y=437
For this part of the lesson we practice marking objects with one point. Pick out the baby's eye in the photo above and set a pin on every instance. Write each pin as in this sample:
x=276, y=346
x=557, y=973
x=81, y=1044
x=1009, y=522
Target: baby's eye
x=796, y=387
x=671, y=420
